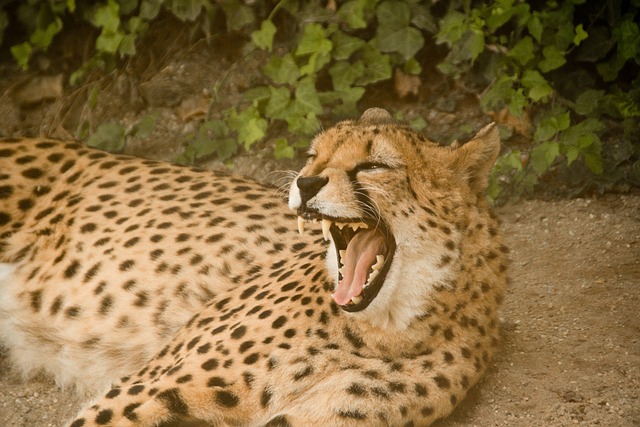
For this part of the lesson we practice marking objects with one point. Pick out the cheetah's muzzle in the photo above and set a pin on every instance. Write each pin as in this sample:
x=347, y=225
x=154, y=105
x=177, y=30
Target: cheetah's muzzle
x=365, y=250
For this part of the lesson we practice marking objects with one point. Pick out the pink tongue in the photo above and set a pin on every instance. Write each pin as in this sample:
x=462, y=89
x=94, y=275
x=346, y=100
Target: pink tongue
x=358, y=259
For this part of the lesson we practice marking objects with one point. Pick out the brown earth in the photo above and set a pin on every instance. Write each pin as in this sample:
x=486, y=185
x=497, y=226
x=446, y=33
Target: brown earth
x=570, y=353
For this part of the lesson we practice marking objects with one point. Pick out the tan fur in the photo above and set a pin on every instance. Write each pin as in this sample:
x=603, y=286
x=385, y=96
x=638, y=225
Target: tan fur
x=188, y=294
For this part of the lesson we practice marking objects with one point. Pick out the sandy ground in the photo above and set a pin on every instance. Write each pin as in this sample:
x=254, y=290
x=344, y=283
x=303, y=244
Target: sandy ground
x=571, y=327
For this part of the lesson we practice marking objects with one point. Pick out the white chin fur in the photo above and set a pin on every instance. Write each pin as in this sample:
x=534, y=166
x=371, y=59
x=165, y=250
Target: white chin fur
x=294, y=195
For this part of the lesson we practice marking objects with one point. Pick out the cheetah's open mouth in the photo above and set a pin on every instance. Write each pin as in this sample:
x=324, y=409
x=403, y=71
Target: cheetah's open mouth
x=365, y=250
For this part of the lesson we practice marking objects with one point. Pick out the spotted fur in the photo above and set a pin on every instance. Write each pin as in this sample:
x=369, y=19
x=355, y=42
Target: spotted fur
x=188, y=294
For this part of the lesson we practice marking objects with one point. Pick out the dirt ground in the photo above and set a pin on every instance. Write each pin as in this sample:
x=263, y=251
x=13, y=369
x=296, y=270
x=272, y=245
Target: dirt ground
x=570, y=353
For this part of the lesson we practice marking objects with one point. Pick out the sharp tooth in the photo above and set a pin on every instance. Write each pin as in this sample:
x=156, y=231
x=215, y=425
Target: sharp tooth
x=342, y=253
x=379, y=262
x=372, y=276
x=363, y=225
x=326, y=225
x=300, y=225
x=341, y=270
x=356, y=300
x=340, y=225
x=354, y=226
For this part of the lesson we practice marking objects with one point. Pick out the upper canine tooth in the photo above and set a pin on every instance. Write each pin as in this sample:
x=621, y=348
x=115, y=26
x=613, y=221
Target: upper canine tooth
x=300, y=225
x=326, y=225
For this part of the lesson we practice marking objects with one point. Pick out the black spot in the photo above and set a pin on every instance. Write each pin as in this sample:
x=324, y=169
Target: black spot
x=216, y=382
x=304, y=373
x=353, y=338
x=104, y=416
x=246, y=346
x=114, y=392
x=77, y=423
x=210, y=364
x=448, y=334
x=352, y=413
x=279, y=322
x=32, y=173
x=420, y=389
x=129, y=412
x=173, y=401
x=136, y=389
x=25, y=204
x=248, y=292
x=238, y=332
x=442, y=381
x=251, y=359
x=265, y=397
x=72, y=269
x=279, y=421
x=184, y=379
x=357, y=390
x=427, y=411
x=227, y=399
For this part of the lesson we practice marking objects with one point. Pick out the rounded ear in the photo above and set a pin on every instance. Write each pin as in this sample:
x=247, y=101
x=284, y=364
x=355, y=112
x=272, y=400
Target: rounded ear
x=376, y=116
x=474, y=160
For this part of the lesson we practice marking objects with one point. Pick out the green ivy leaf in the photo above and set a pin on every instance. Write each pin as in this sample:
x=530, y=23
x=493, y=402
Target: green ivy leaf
x=306, y=98
x=345, y=45
x=282, y=150
x=412, y=66
x=349, y=98
x=143, y=128
x=344, y=74
x=377, y=66
x=314, y=40
x=517, y=102
x=282, y=69
x=353, y=14
x=42, y=37
x=551, y=124
x=534, y=25
x=109, y=136
x=186, y=10
x=279, y=102
x=452, y=27
x=587, y=101
x=149, y=9
x=249, y=125
x=494, y=98
x=109, y=42
x=553, y=58
x=627, y=34
x=522, y=51
x=236, y=13
x=543, y=156
x=596, y=46
x=581, y=35
x=107, y=17
x=303, y=124
x=22, y=53
x=538, y=86
x=263, y=38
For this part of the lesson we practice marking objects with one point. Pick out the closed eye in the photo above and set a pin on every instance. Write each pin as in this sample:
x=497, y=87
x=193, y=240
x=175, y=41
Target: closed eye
x=371, y=167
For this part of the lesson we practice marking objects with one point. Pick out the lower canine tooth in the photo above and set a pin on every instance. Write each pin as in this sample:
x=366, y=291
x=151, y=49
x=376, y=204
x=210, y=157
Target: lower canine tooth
x=356, y=300
x=300, y=225
x=379, y=263
x=326, y=225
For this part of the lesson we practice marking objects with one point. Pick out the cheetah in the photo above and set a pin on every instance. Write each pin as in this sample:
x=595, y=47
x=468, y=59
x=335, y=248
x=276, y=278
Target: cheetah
x=175, y=294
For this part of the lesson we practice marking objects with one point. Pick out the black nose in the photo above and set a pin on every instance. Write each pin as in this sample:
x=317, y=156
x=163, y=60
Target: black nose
x=309, y=186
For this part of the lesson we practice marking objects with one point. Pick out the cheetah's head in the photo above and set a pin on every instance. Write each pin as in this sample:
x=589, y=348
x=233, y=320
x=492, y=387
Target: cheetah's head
x=376, y=186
